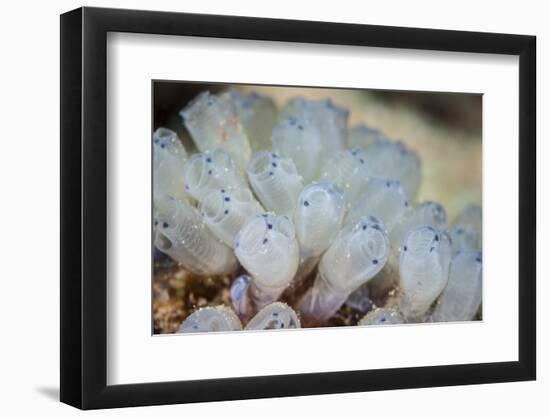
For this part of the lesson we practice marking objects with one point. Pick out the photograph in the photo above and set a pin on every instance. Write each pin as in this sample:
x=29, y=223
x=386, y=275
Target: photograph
x=293, y=207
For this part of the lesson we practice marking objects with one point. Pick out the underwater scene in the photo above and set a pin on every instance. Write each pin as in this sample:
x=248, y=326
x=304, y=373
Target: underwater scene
x=280, y=207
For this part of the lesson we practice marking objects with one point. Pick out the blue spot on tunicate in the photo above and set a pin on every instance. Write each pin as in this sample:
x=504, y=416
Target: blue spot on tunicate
x=162, y=145
x=236, y=244
x=274, y=165
x=478, y=259
x=362, y=160
x=165, y=225
x=388, y=183
x=354, y=152
x=375, y=261
x=156, y=141
x=156, y=222
x=282, y=325
x=265, y=241
x=227, y=199
x=432, y=249
x=208, y=159
x=300, y=127
x=275, y=314
x=209, y=172
x=270, y=226
x=223, y=191
x=306, y=203
x=274, y=155
x=364, y=227
x=405, y=248
x=406, y=204
x=383, y=319
x=264, y=215
x=437, y=238
x=271, y=173
x=226, y=212
x=459, y=231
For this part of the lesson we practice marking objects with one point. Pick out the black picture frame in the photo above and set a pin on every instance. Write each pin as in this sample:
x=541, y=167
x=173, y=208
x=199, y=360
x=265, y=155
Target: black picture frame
x=84, y=207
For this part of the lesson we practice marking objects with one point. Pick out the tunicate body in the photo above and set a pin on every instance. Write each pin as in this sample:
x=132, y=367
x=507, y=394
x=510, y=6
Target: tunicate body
x=211, y=319
x=213, y=123
x=181, y=234
x=461, y=297
x=274, y=316
x=356, y=256
x=210, y=172
x=423, y=268
x=382, y=316
x=169, y=157
x=275, y=181
x=267, y=248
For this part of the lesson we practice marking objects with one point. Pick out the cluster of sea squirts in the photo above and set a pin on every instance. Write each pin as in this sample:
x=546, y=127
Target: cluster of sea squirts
x=314, y=211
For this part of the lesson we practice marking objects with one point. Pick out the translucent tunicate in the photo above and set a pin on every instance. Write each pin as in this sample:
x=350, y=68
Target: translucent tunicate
x=299, y=140
x=347, y=170
x=357, y=255
x=275, y=181
x=318, y=219
x=213, y=123
x=428, y=213
x=330, y=120
x=461, y=297
x=226, y=211
x=462, y=239
x=382, y=316
x=210, y=172
x=274, y=316
x=180, y=232
x=390, y=159
x=169, y=157
x=257, y=115
x=382, y=198
x=470, y=219
x=362, y=136
x=423, y=269
x=267, y=248
x=211, y=319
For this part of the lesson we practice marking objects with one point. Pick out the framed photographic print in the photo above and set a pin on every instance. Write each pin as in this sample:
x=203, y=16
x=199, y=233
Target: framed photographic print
x=259, y=208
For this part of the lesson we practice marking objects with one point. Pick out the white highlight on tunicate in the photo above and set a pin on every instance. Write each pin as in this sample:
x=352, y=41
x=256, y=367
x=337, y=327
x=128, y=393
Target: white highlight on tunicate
x=180, y=232
x=470, y=220
x=347, y=170
x=423, y=268
x=274, y=316
x=362, y=136
x=169, y=157
x=302, y=142
x=209, y=172
x=211, y=319
x=275, y=181
x=267, y=248
x=461, y=297
x=330, y=120
x=257, y=115
x=213, y=123
x=382, y=316
x=357, y=255
x=382, y=198
x=390, y=159
x=226, y=211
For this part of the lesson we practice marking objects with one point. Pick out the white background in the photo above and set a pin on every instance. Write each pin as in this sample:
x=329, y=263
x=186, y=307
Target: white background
x=131, y=348
x=30, y=173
